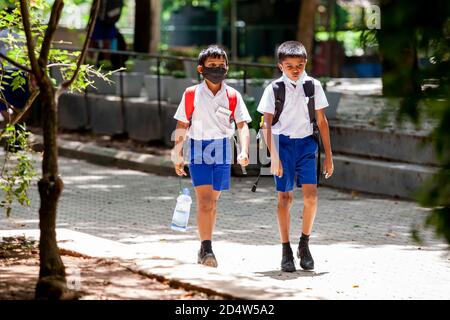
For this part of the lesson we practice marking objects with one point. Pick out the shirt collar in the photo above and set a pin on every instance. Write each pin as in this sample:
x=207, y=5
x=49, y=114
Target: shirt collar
x=300, y=81
x=221, y=90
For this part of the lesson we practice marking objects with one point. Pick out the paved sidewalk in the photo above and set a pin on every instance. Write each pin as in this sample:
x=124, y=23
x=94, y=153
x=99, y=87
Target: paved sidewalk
x=360, y=243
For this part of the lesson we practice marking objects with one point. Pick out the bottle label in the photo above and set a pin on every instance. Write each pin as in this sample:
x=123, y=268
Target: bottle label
x=180, y=220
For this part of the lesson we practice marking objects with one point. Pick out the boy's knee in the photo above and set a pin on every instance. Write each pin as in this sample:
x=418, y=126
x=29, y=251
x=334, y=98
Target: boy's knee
x=207, y=204
x=310, y=197
x=285, y=199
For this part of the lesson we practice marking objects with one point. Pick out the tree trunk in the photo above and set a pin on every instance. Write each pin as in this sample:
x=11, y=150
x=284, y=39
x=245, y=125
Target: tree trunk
x=305, y=30
x=52, y=278
x=147, y=25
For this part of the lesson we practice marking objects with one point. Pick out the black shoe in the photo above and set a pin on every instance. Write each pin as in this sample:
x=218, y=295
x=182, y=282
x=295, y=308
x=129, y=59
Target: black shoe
x=306, y=259
x=287, y=262
x=207, y=259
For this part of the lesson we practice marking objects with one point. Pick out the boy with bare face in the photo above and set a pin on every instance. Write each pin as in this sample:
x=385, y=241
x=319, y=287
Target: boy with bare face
x=290, y=129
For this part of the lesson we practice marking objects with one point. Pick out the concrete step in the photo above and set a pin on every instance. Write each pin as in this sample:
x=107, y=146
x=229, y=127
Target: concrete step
x=142, y=119
x=397, y=179
x=382, y=144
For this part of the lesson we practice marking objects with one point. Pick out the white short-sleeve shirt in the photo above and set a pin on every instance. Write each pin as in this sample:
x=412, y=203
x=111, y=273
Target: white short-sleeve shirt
x=294, y=120
x=206, y=124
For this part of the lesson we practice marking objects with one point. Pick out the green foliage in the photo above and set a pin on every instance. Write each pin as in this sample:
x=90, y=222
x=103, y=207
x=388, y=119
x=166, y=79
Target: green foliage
x=424, y=88
x=62, y=62
x=169, y=6
x=235, y=74
x=178, y=74
x=18, y=167
x=259, y=72
x=252, y=106
x=256, y=82
x=162, y=70
x=174, y=65
x=18, y=242
x=106, y=65
x=129, y=65
x=324, y=81
x=355, y=42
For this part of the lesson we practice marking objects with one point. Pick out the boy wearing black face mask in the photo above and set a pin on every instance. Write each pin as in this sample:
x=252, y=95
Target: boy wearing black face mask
x=207, y=113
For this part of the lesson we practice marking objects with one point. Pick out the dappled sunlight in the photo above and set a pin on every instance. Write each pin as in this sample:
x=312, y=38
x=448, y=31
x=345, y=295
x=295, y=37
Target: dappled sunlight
x=244, y=199
x=157, y=238
x=114, y=172
x=131, y=213
x=19, y=221
x=102, y=187
x=231, y=231
x=159, y=198
x=81, y=179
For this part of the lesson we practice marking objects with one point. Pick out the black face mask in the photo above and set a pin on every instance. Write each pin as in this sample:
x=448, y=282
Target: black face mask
x=214, y=74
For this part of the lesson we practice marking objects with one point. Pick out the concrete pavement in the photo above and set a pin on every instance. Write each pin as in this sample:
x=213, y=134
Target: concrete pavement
x=361, y=243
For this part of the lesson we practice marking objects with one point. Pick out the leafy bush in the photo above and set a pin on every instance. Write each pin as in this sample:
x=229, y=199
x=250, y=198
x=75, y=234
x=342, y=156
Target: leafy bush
x=257, y=82
x=252, y=106
x=129, y=65
x=178, y=74
x=105, y=65
x=162, y=70
x=236, y=74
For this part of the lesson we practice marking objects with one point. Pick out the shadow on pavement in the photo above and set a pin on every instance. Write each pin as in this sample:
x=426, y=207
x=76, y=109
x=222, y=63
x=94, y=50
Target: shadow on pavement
x=279, y=275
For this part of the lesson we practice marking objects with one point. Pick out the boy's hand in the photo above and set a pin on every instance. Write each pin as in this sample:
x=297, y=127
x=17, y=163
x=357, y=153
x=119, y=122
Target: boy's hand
x=178, y=162
x=242, y=159
x=276, y=168
x=179, y=168
x=328, y=167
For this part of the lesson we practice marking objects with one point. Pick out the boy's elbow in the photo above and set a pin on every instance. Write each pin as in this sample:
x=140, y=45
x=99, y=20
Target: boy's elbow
x=182, y=125
x=242, y=125
x=322, y=121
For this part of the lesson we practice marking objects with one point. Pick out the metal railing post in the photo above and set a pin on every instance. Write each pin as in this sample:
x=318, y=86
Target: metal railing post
x=158, y=84
x=122, y=103
x=245, y=80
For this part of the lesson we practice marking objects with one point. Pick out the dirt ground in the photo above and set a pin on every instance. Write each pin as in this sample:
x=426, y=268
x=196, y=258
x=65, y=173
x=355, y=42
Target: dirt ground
x=93, y=279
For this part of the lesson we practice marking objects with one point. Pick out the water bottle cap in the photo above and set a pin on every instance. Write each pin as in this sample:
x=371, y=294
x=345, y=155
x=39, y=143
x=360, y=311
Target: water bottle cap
x=186, y=191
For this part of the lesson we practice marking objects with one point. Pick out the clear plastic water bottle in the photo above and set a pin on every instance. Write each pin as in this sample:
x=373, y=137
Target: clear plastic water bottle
x=181, y=213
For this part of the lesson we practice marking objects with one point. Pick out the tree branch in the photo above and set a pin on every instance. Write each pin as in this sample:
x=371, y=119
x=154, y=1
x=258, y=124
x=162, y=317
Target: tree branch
x=14, y=63
x=27, y=106
x=30, y=45
x=52, y=25
x=58, y=65
x=3, y=100
x=90, y=29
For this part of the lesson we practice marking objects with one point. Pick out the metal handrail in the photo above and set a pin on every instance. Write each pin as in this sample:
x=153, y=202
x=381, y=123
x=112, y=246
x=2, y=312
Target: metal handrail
x=162, y=56
x=159, y=58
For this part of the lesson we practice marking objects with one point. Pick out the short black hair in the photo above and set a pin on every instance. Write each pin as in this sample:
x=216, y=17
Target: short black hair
x=291, y=49
x=212, y=51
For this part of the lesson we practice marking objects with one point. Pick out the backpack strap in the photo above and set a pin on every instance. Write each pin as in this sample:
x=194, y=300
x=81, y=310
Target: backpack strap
x=279, y=90
x=189, y=95
x=232, y=101
x=308, y=88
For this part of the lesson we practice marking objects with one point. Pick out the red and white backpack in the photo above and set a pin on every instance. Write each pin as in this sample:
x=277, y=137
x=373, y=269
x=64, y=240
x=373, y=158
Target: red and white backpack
x=189, y=96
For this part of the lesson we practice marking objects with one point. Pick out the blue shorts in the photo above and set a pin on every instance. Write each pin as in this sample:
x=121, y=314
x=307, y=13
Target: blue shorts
x=298, y=157
x=210, y=163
